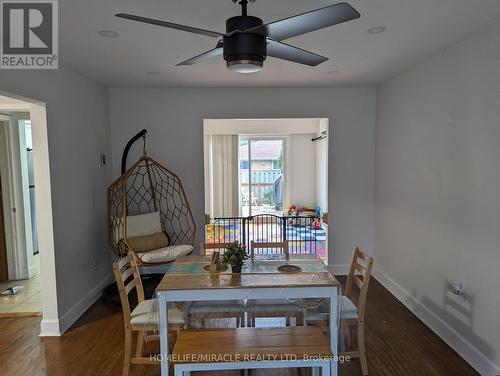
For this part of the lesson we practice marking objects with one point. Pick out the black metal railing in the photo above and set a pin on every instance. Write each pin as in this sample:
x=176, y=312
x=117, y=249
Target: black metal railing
x=300, y=232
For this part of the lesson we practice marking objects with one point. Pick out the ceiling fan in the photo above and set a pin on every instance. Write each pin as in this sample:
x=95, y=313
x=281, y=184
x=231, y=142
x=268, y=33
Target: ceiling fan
x=248, y=41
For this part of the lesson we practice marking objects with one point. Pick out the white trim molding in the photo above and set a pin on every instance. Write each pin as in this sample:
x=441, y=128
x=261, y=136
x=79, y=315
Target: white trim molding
x=262, y=126
x=78, y=309
x=448, y=334
x=43, y=205
x=49, y=328
x=57, y=327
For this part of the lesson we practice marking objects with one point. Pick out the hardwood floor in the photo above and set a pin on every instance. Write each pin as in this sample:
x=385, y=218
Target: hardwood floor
x=27, y=302
x=397, y=344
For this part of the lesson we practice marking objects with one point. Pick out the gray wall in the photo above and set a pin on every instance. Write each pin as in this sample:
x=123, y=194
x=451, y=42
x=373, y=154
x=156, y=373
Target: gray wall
x=78, y=131
x=174, y=120
x=437, y=189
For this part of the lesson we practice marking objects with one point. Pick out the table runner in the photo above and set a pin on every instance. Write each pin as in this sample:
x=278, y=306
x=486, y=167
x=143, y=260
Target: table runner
x=258, y=265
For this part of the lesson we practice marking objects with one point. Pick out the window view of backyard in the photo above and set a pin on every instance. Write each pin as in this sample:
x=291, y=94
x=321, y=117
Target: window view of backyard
x=261, y=176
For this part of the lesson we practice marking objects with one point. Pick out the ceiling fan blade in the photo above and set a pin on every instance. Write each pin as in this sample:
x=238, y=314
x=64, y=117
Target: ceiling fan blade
x=189, y=29
x=204, y=56
x=307, y=22
x=284, y=51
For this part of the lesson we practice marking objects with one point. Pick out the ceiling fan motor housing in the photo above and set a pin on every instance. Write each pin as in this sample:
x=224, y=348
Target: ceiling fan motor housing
x=244, y=47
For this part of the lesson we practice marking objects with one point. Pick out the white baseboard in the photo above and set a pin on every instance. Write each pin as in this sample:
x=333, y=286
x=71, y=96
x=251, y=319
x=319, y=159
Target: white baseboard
x=338, y=269
x=49, y=328
x=455, y=340
x=75, y=312
x=33, y=271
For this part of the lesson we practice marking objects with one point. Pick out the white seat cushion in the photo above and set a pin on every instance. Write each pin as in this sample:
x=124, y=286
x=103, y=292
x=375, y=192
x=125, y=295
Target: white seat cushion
x=212, y=306
x=348, y=310
x=273, y=305
x=146, y=313
x=165, y=254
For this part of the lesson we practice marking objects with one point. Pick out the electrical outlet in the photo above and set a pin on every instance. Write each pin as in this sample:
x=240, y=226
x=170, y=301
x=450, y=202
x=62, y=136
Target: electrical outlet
x=458, y=289
x=96, y=265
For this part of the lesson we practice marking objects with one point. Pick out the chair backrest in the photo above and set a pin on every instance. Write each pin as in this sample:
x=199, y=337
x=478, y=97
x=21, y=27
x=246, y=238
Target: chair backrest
x=267, y=248
x=208, y=248
x=128, y=277
x=359, y=276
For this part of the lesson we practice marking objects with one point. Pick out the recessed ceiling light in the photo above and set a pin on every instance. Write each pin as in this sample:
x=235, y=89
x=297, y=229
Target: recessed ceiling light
x=376, y=30
x=153, y=73
x=108, y=34
x=333, y=72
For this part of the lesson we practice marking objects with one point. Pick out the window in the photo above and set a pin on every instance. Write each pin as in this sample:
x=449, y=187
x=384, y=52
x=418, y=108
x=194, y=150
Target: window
x=261, y=175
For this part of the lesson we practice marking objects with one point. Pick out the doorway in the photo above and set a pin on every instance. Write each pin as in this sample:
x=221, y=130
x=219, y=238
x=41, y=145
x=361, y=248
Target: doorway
x=267, y=180
x=21, y=289
x=27, y=213
x=4, y=275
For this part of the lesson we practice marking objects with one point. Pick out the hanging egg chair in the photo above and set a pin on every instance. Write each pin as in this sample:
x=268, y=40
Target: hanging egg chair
x=148, y=212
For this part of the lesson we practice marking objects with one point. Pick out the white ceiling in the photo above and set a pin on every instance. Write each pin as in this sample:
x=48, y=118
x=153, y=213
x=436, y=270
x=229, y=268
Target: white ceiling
x=415, y=28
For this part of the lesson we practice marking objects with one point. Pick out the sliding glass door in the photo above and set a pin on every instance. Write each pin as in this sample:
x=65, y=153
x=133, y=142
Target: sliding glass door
x=261, y=179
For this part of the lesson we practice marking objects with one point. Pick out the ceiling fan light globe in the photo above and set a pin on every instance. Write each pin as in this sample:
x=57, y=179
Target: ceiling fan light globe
x=244, y=66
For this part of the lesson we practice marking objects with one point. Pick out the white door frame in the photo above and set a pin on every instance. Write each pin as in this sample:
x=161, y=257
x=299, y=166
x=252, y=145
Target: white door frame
x=50, y=321
x=278, y=126
x=274, y=127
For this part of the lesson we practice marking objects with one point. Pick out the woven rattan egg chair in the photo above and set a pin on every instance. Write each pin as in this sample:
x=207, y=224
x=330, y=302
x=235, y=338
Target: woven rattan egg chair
x=148, y=213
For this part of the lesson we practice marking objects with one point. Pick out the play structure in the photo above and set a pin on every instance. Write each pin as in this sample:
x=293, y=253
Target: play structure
x=148, y=212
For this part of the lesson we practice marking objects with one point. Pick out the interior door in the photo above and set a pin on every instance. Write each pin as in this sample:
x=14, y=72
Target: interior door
x=4, y=275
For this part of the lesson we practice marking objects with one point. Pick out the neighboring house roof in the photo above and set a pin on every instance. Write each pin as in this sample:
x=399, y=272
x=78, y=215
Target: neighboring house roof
x=262, y=150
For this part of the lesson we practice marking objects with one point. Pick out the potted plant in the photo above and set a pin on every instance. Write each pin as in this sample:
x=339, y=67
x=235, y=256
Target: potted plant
x=234, y=255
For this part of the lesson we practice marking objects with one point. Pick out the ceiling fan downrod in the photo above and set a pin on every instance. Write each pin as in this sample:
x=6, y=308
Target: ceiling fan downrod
x=244, y=4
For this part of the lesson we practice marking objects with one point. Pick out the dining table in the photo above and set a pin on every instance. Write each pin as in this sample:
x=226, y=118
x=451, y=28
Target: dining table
x=186, y=280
